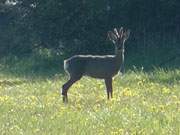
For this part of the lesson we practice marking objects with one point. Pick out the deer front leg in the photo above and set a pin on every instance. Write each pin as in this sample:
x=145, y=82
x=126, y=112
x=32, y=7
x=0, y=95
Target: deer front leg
x=108, y=82
x=122, y=68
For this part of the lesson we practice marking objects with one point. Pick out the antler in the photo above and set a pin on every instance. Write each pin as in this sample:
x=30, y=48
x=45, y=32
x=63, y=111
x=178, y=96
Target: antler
x=116, y=32
x=121, y=32
x=126, y=34
x=113, y=37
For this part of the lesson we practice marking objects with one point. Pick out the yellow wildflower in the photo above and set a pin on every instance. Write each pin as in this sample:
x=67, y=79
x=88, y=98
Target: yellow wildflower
x=127, y=92
x=166, y=90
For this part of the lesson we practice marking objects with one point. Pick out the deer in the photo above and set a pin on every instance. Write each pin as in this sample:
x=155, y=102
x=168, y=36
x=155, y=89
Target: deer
x=97, y=66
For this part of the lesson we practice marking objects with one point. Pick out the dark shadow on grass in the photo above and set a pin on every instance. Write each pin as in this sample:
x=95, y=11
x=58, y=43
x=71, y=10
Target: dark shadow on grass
x=12, y=83
x=31, y=67
x=164, y=76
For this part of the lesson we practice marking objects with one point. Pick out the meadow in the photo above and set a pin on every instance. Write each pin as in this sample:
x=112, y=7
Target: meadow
x=144, y=103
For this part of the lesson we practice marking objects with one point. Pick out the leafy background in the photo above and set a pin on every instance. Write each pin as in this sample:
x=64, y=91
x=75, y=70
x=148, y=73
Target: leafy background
x=63, y=28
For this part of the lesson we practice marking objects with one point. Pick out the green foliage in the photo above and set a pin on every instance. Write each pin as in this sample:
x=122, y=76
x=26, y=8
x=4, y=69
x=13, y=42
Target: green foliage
x=42, y=63
x=73, y=27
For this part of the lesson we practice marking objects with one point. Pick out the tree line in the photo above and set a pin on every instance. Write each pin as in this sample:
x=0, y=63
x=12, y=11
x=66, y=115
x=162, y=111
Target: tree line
x=80, y=26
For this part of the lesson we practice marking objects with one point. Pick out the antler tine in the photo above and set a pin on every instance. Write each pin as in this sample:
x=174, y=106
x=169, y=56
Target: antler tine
x=112, y=36
x=126, y=34
x=121, y=32
x=116, y=32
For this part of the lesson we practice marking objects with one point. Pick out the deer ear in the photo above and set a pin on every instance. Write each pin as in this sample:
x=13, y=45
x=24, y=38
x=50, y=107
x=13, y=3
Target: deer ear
x=112, y=36
x=126, y=34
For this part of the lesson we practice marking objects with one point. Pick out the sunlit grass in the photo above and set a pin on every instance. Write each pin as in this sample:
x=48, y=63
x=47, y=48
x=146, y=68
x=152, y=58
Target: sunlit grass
x=143, y=103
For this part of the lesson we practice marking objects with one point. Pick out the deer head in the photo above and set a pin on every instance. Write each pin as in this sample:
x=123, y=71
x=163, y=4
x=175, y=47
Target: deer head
x=118, y=37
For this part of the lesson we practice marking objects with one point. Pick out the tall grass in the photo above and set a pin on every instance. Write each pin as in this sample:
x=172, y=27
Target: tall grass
x=144, y=102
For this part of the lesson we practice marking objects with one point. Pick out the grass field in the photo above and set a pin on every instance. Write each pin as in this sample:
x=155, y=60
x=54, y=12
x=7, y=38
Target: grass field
x=144, y=103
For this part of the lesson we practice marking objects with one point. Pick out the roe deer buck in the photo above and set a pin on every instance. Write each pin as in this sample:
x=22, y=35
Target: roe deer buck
x=102, y=67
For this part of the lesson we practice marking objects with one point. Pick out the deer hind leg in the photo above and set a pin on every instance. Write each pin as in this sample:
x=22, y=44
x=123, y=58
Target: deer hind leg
x=108, y=82
x=67, y=85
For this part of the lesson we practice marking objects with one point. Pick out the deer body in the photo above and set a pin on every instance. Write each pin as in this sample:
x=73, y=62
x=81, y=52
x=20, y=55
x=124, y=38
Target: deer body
x=94, y=66
x=102, y=67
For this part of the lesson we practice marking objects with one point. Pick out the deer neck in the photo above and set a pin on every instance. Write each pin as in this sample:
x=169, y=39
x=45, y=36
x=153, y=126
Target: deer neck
x=119, y=57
